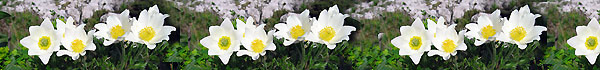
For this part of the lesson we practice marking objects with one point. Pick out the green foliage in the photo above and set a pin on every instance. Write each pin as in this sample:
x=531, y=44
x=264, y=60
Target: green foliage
x=4, y=15
x=564, y=24
x=368, y=52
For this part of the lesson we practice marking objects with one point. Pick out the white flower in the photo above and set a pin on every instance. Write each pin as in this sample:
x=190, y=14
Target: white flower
x=586, y=41
x=149, y=29
x=329, y=29
x=520, y=29
x=242, y=26
x=297, y=27
x=257, y=42
x=42, y=41
x=117, y=26
x=414, y=40
x=432, y=26
x=76, y=41
x=61, y=26
x=223, y=40
x=487, y=28
x=447, y=42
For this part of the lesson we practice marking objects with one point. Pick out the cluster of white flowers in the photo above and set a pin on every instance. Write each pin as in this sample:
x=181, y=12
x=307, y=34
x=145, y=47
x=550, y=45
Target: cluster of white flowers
x=224, y=39
x=519, y=29
x=44, y=40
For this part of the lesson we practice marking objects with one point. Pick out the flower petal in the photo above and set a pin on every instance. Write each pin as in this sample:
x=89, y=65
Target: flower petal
x=445, y=57
x=593, y=24
x=416, y=58
x=225, y=58
x=331, y=46
x=29, y=43
x=535, y=33
x=242, y=52
x=479, y=42
x=226, y=24
x=592, y=58
x=283, y=30
x=90, y=46
x=581, y=51
x=576, y=42
x=343, y=34
x=418, y=24
x=434, y=52
x=108, y=42
x=398, y=42
x=45, y=58
x=214, y=51
x=522, y=46
x=35, y=52
x=47, y=24
x=271, y=46
x=151, y=46
x=287, y=43
x=461, y=46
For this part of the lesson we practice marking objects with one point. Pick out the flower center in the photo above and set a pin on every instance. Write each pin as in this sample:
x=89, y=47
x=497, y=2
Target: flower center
x=258, y=46
x=77, y=45
x=415, y=42
x=147, y=34
x=44, y=43
x=116, y=32
x=591, y=42
x=224, y=42
x=487, y=32
x=518, y=33
x=448, y=46
x=296, y=31
x=327, y=33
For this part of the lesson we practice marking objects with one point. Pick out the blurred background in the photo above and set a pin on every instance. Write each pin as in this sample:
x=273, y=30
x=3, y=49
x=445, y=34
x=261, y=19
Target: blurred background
x=377, y=22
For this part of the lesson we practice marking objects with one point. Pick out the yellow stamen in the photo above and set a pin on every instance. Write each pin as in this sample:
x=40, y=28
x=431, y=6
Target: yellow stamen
x=224, y=42
x=518, y=33
x=415, y=43
x=591, y=42
x=116, y=32
x=147, y=34
x=448, y=46
x=296, y=31
x=327, y=33
x=44, y=43
x=487, y=32
x=258, y=46
x=77, y=45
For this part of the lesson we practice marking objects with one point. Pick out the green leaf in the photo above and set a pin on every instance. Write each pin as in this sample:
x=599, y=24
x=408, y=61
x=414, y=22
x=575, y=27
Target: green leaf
x=383, y=66
x=4, y=15
x=320, y=65
x=139, y=65
x=174, y=58
x=13, y=67
x=193, y=67
x=3, y=37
